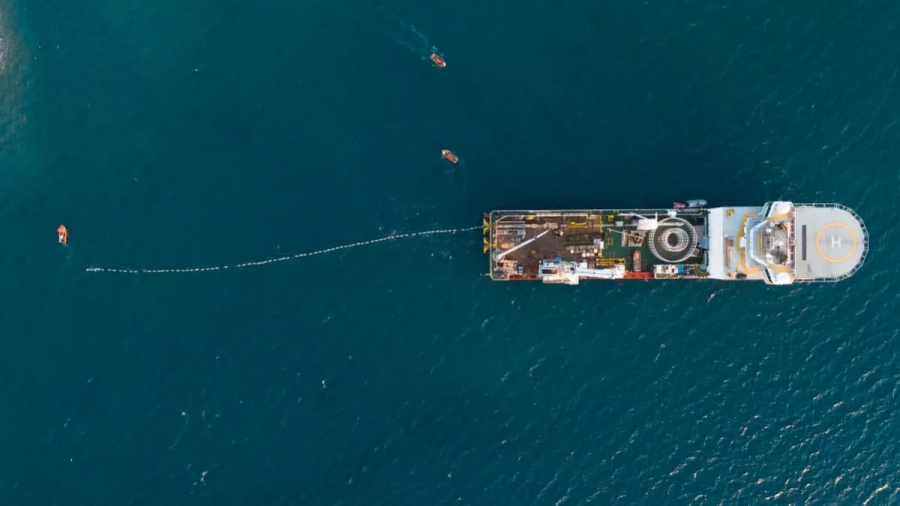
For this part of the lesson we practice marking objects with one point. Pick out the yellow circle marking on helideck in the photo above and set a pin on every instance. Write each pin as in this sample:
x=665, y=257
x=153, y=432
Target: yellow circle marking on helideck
x=819, y=242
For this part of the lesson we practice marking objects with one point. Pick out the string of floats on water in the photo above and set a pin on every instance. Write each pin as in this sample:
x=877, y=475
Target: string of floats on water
x=63, y=238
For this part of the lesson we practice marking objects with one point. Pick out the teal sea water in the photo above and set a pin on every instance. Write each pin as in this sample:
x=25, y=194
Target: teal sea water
x=209, y=132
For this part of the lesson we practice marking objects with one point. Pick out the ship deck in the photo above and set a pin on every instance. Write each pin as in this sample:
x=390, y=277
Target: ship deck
x=832, y=242
x=519, y=240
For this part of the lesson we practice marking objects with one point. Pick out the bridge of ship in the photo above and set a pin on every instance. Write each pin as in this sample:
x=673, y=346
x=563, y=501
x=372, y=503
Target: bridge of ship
x=784, y=242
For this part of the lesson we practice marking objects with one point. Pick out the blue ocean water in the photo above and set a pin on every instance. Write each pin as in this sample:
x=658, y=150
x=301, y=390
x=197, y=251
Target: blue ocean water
x=202, y=133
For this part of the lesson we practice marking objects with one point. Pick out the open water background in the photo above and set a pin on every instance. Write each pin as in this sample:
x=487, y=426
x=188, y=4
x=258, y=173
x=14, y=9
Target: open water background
x=208, y=132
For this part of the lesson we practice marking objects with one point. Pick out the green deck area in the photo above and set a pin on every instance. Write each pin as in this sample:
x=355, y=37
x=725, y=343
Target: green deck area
x=519, y=241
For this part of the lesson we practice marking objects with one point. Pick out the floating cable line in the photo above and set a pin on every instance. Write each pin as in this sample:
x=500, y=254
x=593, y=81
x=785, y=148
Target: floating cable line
x=281, y=259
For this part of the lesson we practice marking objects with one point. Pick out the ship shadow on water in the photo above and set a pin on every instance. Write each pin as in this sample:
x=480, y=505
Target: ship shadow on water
x=654, y=179
x=576, y=160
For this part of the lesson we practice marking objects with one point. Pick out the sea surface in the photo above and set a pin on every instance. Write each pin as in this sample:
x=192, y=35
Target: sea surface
x=202, y=133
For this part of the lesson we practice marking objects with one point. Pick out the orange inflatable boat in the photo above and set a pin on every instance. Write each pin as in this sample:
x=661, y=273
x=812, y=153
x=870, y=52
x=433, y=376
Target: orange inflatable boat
x=438, y=60
x=63, y=234
x=449, y=156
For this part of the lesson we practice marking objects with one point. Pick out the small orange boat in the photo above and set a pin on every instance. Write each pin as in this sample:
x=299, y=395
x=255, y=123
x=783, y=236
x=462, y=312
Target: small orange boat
x=63, y=234
x=438, y=60
x=449, y=156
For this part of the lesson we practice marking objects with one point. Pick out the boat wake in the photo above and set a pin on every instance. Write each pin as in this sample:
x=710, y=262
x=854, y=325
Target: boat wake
x=408, y=36
x=4, y=44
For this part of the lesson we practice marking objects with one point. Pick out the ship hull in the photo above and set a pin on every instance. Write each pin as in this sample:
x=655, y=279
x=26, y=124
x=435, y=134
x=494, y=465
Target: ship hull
x=566, y=246
x=774, y=243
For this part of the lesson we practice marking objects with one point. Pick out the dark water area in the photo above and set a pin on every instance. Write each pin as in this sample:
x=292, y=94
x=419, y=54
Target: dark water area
x=205, y=133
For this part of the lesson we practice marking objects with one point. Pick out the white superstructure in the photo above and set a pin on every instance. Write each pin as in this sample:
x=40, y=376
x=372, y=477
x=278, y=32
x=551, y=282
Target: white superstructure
x=783, y=242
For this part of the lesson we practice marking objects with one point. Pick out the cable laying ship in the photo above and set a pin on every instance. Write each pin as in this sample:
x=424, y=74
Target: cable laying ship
x=780, y=243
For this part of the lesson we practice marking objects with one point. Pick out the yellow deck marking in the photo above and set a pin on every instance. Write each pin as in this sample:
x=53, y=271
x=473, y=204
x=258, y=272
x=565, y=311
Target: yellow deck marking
x=819, y=243
x=737, y=245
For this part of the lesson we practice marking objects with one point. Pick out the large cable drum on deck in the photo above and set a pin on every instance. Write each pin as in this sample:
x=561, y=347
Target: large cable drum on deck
x=674, y=240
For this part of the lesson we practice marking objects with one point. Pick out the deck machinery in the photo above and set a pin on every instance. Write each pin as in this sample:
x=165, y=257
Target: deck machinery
x=779, y=243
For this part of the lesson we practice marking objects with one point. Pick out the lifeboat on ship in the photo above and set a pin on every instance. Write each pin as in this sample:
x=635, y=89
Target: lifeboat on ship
x=636, y=261
x=437, y=60
x=449, y=156
x=694, y=204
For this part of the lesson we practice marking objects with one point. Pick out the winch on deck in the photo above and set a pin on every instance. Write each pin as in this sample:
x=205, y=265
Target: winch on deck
x=567, y=246
x=779, y=243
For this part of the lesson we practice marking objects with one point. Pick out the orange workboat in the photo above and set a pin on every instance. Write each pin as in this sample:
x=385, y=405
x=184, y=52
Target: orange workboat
x=438, y=60
x=63, y=234
x=449, y=156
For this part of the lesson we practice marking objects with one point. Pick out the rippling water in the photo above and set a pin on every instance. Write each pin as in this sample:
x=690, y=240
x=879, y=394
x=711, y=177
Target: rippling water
x=179, y=134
